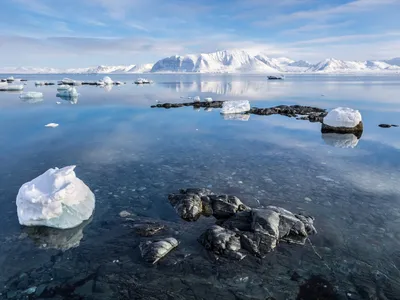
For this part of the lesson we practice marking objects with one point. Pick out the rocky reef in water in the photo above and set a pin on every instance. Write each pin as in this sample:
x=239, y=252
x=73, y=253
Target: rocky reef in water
x=240, y=230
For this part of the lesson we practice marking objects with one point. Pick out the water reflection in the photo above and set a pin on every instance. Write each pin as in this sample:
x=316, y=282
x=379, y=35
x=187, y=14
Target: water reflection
x=51, y=238
x=72, y=100
x=108, y=88
x=32, y=100
x=236, y=117
x=337, y=140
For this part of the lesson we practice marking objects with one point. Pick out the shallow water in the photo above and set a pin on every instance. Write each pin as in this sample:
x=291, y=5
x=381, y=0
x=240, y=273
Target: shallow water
x=133, y=156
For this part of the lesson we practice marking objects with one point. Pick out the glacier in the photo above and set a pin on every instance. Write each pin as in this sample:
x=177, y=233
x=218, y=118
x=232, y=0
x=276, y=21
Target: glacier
x=56, y=199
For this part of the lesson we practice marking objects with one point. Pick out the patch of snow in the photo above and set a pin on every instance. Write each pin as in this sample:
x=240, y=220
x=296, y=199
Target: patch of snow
x=235, y=107
x=56, y=199
x=208, y=99
x=343, y=117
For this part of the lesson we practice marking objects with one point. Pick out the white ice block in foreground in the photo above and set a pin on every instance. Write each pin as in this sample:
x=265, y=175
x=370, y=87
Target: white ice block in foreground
x=11, y=88
x=56, y=199
x=208, y=99
x=107, y=80
x=343, y=117
x=235, y=107
x=31, y=95
x=196, y=99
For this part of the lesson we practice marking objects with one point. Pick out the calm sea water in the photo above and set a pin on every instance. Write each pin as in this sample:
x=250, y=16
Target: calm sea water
x=133, y=156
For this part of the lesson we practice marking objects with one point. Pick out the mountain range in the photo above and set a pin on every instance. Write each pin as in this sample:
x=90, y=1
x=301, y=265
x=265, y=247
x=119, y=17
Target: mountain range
x=227, y=61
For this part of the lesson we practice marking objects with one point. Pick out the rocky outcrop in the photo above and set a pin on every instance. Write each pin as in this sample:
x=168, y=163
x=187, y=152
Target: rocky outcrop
x=190, y=204
x=387, y=125
x=239, y=229
x=206, y=104
x=153, y=251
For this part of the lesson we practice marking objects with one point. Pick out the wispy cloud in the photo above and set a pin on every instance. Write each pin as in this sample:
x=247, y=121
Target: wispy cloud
x=315, y=27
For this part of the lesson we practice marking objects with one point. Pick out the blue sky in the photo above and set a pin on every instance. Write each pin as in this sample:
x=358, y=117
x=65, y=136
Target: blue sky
x=81, y=33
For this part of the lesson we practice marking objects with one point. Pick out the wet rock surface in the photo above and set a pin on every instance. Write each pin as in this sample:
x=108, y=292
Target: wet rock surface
x=387, y=125
x=357, y=130
x=317, y=288
x=153, y=251
x=148, y=229
x=206, y=104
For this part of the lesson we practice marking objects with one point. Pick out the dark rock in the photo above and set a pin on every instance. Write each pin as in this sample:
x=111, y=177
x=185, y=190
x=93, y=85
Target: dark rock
x=222, y=241
x=148, y=229
x=295, y=276
x=40, y=290
x=225, y=206
x=188, y=206
x=317, y=288
x=387, y=125
x=11, y=294
x=153, y=251
x=214, y=104
x=357, y=130
x=85, y=289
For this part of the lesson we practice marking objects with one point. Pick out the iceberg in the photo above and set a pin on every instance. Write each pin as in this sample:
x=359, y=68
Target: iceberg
x=69, y=81
x=71, y=92
x=107, y=80
x=56, y=199
x=196, y=99
x=11, y=88
x=208, y=99
x=31, y=95
x=39, y=83
x=343, y=120
x=235, y=107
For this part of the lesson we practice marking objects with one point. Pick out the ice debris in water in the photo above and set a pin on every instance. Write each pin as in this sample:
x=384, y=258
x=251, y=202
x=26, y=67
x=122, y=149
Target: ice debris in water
x=56, y=199
x=343, y=117
x=235, y=107
x=71, y=92
x=107, y=80
x=11, y=88
x=196, y=99
x=31, y=95
x=208, y=99
x=52, y=125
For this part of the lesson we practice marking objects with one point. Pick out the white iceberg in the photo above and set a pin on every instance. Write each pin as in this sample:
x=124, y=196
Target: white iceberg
x=236, y=117
x=69, y=93
x=40, y=83
x=196, y=99
x=56, y=199
x=15, y=88
x=235, y=107
x=107, y=80
x=338, y=140
x=208, y=99
x=31, y=95
x=51, y=125
x=63, y=87
x=343, y=117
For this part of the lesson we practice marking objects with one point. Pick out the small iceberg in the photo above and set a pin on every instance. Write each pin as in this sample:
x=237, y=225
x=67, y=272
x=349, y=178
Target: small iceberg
x=31, y=95
x=338, y=140
x=208, y=99
x=343, y=120
x=63, y=87
x=143, y=81
x=196, y=99
x=236, y=117
x=71, y=92
x=11, y=88
x=10, y=79
x=56, y=199
x=51, y=125
x=107, y=80
x=235, y=107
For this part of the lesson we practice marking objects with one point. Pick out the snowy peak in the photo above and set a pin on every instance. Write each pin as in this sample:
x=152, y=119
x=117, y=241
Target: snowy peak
x=332, y=65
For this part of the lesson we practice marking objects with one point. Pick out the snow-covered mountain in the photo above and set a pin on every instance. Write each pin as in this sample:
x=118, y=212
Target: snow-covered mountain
x=228, y=61
x=235, y=61
x=332, y=65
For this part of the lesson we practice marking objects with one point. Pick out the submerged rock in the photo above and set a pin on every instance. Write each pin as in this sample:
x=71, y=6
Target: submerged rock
x=56, y=199
x=153, y=251
x=387, y=125
x=343, y=120
x=190, y=204
x=317, y=288
x=148, y=229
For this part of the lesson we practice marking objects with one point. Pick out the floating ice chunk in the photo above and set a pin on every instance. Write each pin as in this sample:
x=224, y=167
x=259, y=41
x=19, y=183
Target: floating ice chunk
x=71, y=92
x=143, y=81
x=40, y=83
x=196, y=99
x=63, y=87
x=58, y=102
x=107, y=80
x=69, y=81
x=337, y=140
x=235, y=107
x=208, y=99
x=343, y=117
x=51, y=125
x=31, y=95
x=236, y=117
x=56, y=199
x=14, y=88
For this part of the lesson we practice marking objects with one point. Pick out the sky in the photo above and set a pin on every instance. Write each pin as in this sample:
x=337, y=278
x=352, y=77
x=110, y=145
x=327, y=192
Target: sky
x=83, y=33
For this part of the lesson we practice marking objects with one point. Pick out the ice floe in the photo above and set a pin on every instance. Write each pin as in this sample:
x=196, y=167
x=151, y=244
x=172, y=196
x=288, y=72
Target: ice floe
x=56, y=199
x=235, y=107
x=31, y=95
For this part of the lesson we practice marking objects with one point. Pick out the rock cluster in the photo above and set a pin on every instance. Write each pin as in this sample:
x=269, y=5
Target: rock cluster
x=239, y=229
x=153, y=251
x=206, y=104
